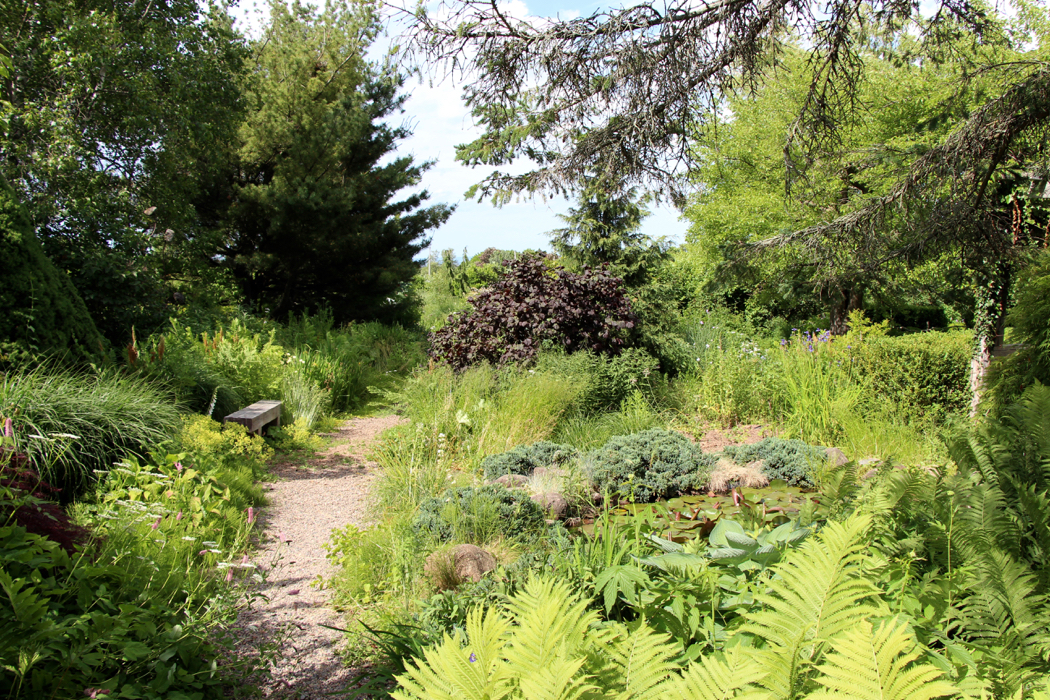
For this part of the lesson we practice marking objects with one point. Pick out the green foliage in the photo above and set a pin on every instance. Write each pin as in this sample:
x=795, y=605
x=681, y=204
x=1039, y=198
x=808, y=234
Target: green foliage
x=483, y=410
x=1031, y=363
x=308, y=207
x=349, y=362
x=71, y=424
x=604, y=230
x=524, y=458
x=136, y=612
x=113, y=126
x=604, y=382
x=925, y=374
x=791, y=460
x=548, y=647
x=43, y=314
x=815, y=626
x=479, y=514
x=73, y=625
x=649, y=465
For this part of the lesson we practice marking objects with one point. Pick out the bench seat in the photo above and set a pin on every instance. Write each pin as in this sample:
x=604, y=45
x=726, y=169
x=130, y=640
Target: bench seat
x=257, y=416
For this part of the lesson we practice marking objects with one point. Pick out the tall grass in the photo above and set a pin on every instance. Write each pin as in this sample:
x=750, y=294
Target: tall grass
x=71, y=424
x=818, y=389
x=347, y=362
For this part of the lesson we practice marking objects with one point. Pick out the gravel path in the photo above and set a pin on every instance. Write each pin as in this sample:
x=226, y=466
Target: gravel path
x=306, y=504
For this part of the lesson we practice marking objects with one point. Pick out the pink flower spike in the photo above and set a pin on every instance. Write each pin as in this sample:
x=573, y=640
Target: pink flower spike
x=9, y=428
x=251, y=515
x=229, y=575
x=179, y=515
x=156, y=523
x=283, y=537
x=178, y=466
x=202, y=552
x=245, y=560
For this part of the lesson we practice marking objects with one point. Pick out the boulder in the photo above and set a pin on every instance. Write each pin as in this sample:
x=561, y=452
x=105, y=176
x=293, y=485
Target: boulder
x=464, y=562
x=553, y=504
x=512, y=481
x=836, y=456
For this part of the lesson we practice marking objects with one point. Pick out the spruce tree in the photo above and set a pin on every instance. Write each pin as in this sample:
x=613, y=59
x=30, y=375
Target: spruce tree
x=310, y=210
x=42, y=313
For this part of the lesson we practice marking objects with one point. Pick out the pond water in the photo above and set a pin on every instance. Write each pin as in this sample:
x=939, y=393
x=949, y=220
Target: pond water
x=687, y=517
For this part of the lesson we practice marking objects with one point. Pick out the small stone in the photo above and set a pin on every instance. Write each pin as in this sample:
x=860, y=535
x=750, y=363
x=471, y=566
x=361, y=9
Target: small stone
x=836, y=456
x=512, y=481
x=553, y=504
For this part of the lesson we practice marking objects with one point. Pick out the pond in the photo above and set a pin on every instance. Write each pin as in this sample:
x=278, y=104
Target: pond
x=688, y=517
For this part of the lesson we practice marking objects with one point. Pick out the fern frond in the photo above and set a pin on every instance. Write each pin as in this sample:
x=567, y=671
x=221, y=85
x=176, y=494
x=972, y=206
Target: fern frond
x=451, y=671
x=557, y=681
x=879, y=664
x=986, y=524
x=713, y=678
x=552, y=623
x=818, y=592
x=642, y=661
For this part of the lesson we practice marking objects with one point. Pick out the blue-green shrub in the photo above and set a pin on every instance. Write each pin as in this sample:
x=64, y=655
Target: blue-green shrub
x=524, y=458
x=478, y=514
x=790, y=460
x=650, y=465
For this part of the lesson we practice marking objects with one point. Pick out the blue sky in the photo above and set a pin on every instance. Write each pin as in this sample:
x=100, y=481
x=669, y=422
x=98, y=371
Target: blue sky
x=439, y=121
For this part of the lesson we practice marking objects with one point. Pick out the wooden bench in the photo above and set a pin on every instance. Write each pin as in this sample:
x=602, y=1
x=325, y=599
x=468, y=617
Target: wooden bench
x=257, y=416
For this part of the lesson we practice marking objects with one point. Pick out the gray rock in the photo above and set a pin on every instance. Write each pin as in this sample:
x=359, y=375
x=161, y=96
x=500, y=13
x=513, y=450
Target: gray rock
x=553, y=504
x=464, y=562
x=512, y=481
x=836, y=456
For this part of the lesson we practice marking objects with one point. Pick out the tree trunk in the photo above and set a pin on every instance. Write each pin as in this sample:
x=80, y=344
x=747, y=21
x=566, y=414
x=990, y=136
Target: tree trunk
x=993, y=293
x=845, y=301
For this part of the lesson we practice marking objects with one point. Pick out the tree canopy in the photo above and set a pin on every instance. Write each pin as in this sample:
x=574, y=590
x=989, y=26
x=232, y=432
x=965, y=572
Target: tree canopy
x=627, y=93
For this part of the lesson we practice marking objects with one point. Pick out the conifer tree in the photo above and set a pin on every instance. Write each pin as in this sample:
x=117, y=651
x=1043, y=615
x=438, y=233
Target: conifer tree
x=310, y=216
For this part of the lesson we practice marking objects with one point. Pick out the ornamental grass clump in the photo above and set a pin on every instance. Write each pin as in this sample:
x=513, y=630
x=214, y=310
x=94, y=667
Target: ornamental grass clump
x=69, y=424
